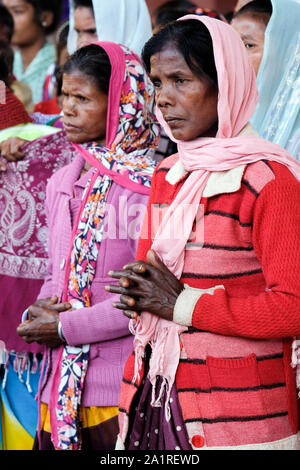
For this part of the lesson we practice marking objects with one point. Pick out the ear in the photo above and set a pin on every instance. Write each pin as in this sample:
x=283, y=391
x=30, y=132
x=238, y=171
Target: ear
x=47, y=18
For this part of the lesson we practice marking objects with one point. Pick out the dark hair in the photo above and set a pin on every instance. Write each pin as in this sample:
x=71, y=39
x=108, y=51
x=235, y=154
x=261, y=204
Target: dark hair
x=261, y=9
x=93, y=62
x=83, y=3
x=6, y=63
x=55, y=6
x=7, y=21
x=62, y=38
x=192, y=39
x=171, y=11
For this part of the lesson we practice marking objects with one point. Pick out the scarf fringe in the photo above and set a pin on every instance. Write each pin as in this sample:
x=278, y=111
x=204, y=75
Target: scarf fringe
x=22, y=363
x=295, y=362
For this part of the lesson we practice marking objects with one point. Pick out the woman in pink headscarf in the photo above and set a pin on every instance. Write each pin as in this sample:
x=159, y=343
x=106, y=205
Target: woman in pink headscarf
x=214, y=298
x=93, y=207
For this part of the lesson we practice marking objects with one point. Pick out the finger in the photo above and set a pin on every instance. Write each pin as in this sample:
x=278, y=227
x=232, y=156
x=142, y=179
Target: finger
x=129, y=301
x=137, y=267
x=121, y=306
x=3, y=167
x=60, y=307
x=127, y=274
x=154, y=260
x=21, y=329
x=124, y=291
x=130, y=315
x=48, y=301
x=115, y=289
x=125, y=282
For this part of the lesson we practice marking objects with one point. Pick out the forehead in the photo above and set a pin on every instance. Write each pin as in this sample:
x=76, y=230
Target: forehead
x=84, y=18
x=76, y=81
x=248, y=24
x=15, y=3
x=167, y=61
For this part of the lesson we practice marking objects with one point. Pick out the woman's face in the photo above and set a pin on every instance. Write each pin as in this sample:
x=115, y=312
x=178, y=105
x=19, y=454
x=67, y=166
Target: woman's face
x=26, y=29
x=188, y=103
x=85, y=26
x=85, y=109
x=252, y=32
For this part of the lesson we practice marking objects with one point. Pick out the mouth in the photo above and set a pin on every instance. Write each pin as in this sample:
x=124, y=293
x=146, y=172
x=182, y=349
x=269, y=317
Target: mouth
x=173, y=121
x=69, y=127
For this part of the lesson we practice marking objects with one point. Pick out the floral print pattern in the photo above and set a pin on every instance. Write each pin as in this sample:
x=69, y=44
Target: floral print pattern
x=136, y=137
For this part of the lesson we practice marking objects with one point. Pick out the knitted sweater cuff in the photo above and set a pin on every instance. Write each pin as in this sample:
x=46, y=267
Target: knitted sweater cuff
x=186, y=302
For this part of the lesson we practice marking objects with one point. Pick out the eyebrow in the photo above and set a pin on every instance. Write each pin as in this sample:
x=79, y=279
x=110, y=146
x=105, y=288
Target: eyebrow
x=173, y=73
x=247, y=36
x=89, y=31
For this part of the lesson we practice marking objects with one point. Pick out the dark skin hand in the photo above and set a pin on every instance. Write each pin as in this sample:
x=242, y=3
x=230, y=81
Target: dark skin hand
x=146, y=287
x=41, y=327
x=10, y=149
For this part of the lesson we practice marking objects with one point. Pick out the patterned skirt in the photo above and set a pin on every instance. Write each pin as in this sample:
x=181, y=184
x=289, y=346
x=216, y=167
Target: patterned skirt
x=99, y=428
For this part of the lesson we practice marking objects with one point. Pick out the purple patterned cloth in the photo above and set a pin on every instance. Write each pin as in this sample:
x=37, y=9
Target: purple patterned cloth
x=148, y=427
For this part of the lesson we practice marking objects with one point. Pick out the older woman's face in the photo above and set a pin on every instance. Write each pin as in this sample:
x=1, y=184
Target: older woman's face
x=252, y=32
x=188, y=103
x=85, y=109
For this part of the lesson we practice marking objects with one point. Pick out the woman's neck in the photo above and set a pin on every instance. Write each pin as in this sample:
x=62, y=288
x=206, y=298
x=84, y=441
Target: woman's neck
x=29, y=51
x=85, y=169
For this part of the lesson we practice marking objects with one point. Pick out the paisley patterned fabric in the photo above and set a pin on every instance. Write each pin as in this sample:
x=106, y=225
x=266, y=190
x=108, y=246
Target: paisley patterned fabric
x=23, y=227
x=128, y=156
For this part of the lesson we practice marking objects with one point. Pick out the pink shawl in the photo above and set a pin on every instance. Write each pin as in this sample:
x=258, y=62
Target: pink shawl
x=236, y=103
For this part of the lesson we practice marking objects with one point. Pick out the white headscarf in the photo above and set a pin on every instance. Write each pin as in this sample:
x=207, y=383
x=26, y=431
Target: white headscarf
x=125, y=22
x=277, y=115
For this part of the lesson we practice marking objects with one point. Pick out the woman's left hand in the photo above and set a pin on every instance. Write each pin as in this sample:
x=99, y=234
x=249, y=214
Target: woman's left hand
x=42, y=324
x=149, y=287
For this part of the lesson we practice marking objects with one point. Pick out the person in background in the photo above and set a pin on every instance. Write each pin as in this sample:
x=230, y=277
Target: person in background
x=274, y=49
x=34, y=20
x=20, y=89
x=122, y=21
x=6, y=25
x=214, y=295
x=51, y=103
x=250, y=22
x=23, y=261
x=95, y=208
x=171, y=11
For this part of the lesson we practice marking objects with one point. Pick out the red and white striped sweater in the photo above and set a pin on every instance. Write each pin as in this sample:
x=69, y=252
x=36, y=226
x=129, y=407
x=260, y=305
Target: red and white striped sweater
x=235, y=383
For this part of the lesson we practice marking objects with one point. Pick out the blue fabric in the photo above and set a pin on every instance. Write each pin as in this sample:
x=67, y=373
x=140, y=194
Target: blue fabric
x=277, y=115
x=17, y=400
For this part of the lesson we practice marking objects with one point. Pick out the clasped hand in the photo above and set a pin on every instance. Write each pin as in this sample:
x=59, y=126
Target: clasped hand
x=146, y=287
x=41, y=326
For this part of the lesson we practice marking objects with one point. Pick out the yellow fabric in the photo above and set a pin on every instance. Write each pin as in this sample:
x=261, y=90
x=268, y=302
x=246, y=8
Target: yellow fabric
x=90, y=416
x=14, y=436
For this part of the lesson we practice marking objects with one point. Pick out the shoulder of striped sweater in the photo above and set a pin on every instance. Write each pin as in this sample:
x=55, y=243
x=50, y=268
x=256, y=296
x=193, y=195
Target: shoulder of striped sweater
x=262, y=172
x=167, y=163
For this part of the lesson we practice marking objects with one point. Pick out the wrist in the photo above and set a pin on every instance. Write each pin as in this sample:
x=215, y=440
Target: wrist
x=60, y=332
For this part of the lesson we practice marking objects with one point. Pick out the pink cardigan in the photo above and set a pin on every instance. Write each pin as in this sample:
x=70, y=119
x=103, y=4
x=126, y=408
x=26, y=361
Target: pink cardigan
x=100, y=325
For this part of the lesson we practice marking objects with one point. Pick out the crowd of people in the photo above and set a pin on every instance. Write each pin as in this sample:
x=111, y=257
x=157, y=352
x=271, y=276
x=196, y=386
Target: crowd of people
x=149, y=225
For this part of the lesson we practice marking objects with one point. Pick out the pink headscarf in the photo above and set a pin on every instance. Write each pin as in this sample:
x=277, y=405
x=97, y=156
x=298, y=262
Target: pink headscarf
x=236, y=103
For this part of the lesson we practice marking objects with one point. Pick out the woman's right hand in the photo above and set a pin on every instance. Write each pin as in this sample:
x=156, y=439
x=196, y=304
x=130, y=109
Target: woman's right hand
x=10, y=149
